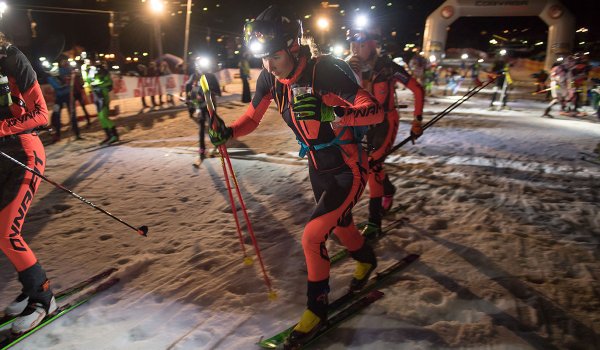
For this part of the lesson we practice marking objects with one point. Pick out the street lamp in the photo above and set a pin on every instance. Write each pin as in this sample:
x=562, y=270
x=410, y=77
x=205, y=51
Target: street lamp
x=186, y=38
x=323, y=25
x=361, y=22
x=3, y=7
x=157, y=7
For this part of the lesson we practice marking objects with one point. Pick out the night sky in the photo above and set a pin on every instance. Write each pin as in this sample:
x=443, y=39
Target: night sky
x=58, y=32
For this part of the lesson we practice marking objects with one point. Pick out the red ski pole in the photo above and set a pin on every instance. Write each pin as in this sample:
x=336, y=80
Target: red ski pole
x=229, y=168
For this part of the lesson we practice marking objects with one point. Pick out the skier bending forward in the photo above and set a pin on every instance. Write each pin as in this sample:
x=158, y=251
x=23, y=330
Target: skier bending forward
x=323, y=122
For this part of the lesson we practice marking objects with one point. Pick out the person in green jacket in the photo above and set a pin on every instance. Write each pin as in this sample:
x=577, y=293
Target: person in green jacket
x=102, y=84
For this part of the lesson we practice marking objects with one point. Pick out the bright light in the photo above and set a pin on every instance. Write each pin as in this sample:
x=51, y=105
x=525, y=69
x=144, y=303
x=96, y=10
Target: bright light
x=157, y=6
x=493, y=41
x=145, y=54
x=338, y=50
x=73, y=63
x=432, y=59
x=582, y=43
x=307, y=16
x=480, y=60
x=389, y=4
x=128, y=59
x=586, y=53
x=46, y=64
x=3, y=7
x=361, y=21
x=115, y=67
x=323, y=23
x=464, y=56
x=539, y=43
x=256, y=47
x=373, y=7
x=42, y=59
x=502, y=52
x=559, y=59
x=135, y=59
x=202, y=62
x=581, y=30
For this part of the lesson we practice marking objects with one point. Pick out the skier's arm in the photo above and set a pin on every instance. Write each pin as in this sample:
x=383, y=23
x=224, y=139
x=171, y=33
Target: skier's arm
x=257, y=108
x=35, y=112
x=401, y=75
x=353, y=105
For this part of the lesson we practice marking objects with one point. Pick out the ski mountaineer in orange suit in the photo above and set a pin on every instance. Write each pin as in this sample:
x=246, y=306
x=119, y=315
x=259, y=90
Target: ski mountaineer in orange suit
x=324, y=123
x=379, y=76
x=22, y=109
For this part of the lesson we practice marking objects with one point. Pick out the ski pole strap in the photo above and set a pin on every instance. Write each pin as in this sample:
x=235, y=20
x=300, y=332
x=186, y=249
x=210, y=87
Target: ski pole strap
x=304, y=148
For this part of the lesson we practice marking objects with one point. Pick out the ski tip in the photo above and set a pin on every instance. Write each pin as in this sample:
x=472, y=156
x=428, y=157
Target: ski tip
x=411, y=257
x=143, y=231
x=375, y=294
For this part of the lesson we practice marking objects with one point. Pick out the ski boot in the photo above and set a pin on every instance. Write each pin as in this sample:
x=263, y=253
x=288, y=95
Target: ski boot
x=107, y=138
x=33, y=315
x=388, y=198
x=17, y=306
x=366, y=262
x=40, y=300
x=313, y=318
x=114, y=136
x=370, y=230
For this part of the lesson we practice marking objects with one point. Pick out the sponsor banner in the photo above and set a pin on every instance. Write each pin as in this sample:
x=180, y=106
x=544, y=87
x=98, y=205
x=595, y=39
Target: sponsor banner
x=131, y=86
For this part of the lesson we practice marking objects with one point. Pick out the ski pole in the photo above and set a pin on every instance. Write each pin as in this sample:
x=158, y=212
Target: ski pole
x=440, y=115
x=142, y=230
x=225, y=157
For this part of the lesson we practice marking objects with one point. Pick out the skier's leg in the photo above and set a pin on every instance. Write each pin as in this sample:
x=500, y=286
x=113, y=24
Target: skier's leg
x=16, y=195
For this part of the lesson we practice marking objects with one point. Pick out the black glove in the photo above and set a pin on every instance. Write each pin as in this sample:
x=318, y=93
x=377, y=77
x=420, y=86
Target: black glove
x=219, y=133
x=416, y=129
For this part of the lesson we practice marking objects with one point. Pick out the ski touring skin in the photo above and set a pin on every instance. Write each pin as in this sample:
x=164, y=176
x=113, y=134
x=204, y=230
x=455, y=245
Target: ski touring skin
x=65, y=293
x=341, y=303
x=8, y=339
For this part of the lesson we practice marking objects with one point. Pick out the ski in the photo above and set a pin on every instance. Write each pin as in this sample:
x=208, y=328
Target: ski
x=375, y=282
x=590, y=157
x=99, y=147
x=65, y=293
x=344, y=315
x=7, y=339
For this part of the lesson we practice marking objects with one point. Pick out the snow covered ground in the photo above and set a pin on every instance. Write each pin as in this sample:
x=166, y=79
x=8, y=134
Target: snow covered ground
x=502, y=209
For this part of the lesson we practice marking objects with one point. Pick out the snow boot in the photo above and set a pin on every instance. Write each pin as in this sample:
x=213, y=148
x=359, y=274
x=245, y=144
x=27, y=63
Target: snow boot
x=313, y=318
x=107, y=138
x=40, y=300
x=114, y=136
x=366, y=262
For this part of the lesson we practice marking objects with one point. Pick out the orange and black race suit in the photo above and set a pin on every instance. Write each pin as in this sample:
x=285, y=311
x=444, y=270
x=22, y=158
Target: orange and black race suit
x=18, y=140
x=382, y=80
x=337, y=162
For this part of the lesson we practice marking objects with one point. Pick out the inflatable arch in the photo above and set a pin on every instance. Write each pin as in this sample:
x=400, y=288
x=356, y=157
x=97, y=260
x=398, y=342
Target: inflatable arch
x=561, y=23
